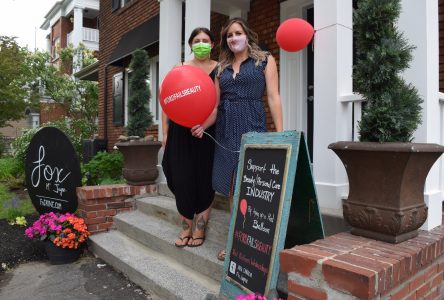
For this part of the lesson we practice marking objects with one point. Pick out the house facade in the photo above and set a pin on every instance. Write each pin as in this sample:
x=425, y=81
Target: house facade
x=69, y=22
x=72, y=22
x=315, y=84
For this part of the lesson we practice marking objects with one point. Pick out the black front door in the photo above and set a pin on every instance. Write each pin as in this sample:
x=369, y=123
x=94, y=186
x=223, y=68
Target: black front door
x=310, y=87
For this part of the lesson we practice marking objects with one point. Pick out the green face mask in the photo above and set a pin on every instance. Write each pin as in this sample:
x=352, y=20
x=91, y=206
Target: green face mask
x=201, y=50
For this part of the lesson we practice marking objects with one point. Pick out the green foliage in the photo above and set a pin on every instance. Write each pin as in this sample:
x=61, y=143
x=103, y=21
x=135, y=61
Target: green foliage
x=9, y=167
x=393, y=108
x=140, y=116
x=76, y=130
x=12, y=69
x=67, y=55
x=11, y=206
x=20, y=144
x=79, y=97
x=104, y=168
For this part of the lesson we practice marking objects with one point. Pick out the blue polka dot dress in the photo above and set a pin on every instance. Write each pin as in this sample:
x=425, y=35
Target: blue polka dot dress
x=240, y=110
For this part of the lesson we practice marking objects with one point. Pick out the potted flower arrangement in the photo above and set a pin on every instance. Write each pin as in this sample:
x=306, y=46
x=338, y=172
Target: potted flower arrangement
x=386, y=171
x=64, y=236
x=139, y=152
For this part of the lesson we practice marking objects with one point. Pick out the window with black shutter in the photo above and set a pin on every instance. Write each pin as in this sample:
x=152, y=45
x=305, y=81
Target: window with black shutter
x=115, y=5
x=118, y=99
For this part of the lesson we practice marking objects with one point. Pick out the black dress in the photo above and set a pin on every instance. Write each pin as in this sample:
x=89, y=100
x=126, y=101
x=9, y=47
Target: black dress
x=187, y=164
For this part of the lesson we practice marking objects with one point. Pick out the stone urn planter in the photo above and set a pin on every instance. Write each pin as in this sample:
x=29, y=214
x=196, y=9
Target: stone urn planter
x=140, y=161
x=386, y=187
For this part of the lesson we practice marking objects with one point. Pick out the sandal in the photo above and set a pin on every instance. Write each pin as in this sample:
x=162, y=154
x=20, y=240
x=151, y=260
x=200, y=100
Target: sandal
x=186, y=231
x=221, y=255
x=200, y=227
x=188, y=237
x=196, y=239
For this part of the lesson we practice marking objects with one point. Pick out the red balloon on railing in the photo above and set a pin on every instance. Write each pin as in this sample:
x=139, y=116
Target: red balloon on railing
x=294, y=34
x=187, y=95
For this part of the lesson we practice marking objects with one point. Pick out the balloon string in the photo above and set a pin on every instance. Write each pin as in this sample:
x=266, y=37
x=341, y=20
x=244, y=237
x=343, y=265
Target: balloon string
x=220, y=144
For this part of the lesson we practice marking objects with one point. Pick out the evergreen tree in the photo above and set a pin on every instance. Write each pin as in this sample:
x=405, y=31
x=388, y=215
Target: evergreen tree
x=140, y=117
x=392, y=111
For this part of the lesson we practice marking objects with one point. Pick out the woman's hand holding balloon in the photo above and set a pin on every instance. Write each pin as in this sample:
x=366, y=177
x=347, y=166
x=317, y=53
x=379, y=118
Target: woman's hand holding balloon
x=197, y=131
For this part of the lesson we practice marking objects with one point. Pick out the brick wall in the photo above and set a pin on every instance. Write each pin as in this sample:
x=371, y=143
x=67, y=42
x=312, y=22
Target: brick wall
x=51, y=112
x=99, y=204
x=264, y=19
x=113, y=25
x=344, y=266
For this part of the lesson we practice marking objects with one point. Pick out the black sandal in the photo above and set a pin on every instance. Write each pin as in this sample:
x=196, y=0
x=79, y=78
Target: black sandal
x=201, y=225
x=196, y=239
x=184, y=244
x=186, y=229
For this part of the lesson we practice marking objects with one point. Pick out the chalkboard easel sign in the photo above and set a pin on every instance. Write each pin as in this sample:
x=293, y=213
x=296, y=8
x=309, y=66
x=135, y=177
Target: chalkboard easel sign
x=271, y=171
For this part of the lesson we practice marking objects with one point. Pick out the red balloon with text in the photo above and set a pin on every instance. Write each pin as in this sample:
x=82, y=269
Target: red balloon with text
x=294, y=34
x=187, y=95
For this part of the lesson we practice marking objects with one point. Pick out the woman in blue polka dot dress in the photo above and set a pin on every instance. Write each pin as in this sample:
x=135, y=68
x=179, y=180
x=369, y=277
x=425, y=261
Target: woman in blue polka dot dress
x=245, y=73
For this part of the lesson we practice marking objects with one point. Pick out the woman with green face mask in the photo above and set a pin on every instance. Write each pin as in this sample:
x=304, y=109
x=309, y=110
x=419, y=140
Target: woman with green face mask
x=188, y=161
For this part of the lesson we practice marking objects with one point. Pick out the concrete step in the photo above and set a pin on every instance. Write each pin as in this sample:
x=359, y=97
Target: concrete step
x=220, y=201
x=165, y=209
x=154, y=271
x=159, y=235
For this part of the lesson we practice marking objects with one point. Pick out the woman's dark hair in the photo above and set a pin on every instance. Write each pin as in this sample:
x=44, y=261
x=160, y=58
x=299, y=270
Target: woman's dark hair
x=198, y=30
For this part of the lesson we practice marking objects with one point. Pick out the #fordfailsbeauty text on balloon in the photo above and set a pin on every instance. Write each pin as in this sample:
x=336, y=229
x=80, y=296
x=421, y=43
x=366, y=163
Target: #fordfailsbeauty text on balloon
x=187, y=95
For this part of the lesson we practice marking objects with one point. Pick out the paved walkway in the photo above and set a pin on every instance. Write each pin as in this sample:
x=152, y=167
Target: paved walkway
x=88, y=278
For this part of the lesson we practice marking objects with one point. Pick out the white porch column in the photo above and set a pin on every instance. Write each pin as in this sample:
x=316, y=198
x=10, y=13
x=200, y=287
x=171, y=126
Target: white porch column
x=77, y=32
x=77, y=37
x=419, y=22
x=197, y=14
x=170, y=47
x=332, y=79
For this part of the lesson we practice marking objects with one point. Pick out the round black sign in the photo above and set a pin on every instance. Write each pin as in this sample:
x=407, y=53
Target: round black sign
x=52, y=172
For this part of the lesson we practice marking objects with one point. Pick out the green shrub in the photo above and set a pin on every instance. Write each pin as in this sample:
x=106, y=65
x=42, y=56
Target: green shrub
x=104, y=166
x=393, y=108
x=138, y=104
x=20, y=145
x=10, y=167
x=75, y=130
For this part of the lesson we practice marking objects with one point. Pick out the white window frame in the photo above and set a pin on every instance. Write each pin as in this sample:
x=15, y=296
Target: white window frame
x=154, y=102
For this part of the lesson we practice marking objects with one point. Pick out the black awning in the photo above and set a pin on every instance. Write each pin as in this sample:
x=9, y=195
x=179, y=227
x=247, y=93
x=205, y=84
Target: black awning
x=138, y=38
x=90, y=72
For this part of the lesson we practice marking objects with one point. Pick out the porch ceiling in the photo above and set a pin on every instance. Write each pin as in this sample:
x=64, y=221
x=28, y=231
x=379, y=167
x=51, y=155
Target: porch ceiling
x=230, y=7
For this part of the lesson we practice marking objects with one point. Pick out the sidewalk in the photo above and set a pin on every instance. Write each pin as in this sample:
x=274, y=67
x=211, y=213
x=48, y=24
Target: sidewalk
x=88, y=278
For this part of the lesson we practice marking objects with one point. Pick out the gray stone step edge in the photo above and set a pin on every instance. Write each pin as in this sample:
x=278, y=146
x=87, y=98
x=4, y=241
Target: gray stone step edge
x=160, y=235
x=155, y=272
x=165, y=209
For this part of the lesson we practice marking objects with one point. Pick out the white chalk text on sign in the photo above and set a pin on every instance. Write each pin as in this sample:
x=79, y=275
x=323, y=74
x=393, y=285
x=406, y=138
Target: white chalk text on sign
x=53, y=178
x=254, y=231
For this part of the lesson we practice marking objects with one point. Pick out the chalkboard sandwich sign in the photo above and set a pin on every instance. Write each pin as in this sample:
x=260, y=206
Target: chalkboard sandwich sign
x=261, y=209
x=52, y=172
